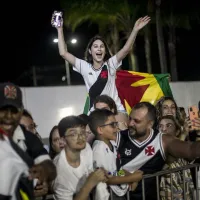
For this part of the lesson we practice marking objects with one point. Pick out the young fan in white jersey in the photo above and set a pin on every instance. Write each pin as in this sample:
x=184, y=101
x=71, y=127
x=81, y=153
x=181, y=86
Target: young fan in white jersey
x=99, y=69
x=103, y=124
x=75, y=176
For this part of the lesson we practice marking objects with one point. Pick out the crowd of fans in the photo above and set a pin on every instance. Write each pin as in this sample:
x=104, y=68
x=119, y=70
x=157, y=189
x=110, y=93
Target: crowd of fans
x=89, y=156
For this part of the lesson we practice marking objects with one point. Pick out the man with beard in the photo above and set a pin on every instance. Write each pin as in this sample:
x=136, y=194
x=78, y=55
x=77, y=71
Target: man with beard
x=141, y=147
x=75, y=177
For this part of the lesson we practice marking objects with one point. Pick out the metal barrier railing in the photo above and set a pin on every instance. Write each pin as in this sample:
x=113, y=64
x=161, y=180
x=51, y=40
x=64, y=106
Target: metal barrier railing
x=157, y=175
x=164, y=172
x=170, y=171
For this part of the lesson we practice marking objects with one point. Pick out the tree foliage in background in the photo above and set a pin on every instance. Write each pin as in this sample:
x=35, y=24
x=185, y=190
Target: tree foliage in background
x=116, y=18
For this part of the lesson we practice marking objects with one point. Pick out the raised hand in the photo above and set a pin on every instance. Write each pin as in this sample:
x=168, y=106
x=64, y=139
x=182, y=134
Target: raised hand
x=141, y=22
x=196, y=124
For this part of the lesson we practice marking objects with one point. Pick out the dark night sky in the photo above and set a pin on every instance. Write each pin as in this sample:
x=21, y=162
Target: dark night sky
x=32, y=34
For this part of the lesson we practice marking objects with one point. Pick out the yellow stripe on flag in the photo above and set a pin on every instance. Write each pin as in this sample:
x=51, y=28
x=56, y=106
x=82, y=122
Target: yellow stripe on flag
x=153, y=92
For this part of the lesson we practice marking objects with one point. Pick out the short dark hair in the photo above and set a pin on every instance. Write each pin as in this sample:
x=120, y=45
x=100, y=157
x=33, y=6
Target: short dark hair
x=98, y=118
x=84, y=117
x=151, y=109
x=88, y=56
x=26, y=113
x=108, y=100
x=69, y=122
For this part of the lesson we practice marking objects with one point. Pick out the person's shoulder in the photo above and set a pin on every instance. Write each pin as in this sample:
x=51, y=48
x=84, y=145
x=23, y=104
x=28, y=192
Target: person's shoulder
x=31, y=137
x=98, y=145
x=167, y=137
x=5, y=148
x=60, y=160
x=98, y=148
x=123, y=134
x=82, y=62
x=86, y=150
x=28, y=134
x=168, y=140
x=86, y=154
x=88, y=147
x=113, y=57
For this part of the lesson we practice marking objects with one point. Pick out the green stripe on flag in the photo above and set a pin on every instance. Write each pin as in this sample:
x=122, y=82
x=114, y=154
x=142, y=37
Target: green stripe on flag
x=163, y=81
x=87, y=105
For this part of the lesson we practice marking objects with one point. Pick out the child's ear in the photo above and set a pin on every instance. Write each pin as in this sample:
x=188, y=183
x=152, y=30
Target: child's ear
x=99, y=130
x=90, y=51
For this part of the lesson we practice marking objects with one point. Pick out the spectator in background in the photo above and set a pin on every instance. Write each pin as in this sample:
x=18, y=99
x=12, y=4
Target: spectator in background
x=106, y=102
x=89, y=135
x=168, y=106
x=183, y=113
x=28, y=122
x=56, y=143
x=169, y=125
x=194, y=135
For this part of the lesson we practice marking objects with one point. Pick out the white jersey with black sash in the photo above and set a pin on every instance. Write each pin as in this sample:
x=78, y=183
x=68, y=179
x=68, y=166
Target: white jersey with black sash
x=100, y=81
x=106, y=158
x=147, y=156
x=14, y=173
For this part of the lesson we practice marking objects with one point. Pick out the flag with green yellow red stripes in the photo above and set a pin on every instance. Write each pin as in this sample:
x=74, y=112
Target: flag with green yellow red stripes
x=134, y=87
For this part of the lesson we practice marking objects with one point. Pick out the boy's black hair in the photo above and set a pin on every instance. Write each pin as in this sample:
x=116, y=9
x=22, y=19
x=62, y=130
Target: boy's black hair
x=69, y=122
x=98, y=118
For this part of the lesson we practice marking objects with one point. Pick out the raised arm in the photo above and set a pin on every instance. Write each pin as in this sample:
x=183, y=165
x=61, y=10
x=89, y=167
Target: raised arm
x=139, y=24
x=181, y=149
x=63, y=47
